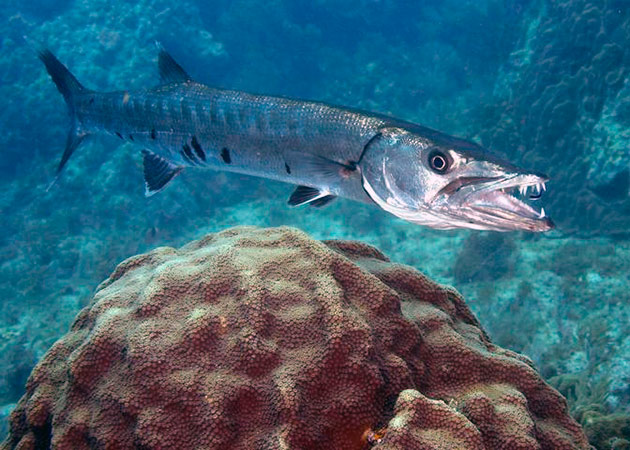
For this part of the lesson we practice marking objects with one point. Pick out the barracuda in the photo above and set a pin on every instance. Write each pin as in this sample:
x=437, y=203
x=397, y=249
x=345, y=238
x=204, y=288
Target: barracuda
x=413, y=172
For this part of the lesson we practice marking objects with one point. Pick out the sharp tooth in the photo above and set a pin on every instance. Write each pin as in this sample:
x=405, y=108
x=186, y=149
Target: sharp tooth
x=537, y=189
x=542, y=212
x=522, y=190
x=544, y=188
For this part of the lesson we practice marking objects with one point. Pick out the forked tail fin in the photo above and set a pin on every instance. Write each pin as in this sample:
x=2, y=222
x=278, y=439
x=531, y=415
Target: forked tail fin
x=70, y=88
x=67, y=84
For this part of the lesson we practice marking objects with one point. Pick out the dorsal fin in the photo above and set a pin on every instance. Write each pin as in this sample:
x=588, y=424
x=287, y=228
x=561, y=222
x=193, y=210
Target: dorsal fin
x=170, y=70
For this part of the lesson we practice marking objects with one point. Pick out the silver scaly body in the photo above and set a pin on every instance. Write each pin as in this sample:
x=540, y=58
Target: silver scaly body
x=413, y=172
x=234, y=131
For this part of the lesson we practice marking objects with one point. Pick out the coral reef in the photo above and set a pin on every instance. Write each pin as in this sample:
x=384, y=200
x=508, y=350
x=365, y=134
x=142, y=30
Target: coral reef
x=57, y=244
x=560, y=105
x=266, y=338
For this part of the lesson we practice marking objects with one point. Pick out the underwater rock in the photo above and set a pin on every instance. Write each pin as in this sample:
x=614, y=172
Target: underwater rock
x=265, y=338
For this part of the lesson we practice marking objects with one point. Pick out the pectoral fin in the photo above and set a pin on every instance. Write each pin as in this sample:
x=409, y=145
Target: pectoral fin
x=317, y=167
x=322, y=201
x=158, y=172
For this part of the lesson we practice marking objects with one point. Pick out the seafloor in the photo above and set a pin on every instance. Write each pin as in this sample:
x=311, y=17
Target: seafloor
x=546, y=83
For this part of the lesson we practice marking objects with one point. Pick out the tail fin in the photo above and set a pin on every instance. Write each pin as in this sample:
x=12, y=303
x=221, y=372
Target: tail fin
x=67, y=84
x=70, y=88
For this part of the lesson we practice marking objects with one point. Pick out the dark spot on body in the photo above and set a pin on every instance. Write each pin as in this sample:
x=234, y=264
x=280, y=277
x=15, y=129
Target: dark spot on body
x=153, y=133
x=91, y=100
x=198, y=150
x=287, y=168
x=119, y=135
x=188, y=153
x=225, y=155
x=131, y=137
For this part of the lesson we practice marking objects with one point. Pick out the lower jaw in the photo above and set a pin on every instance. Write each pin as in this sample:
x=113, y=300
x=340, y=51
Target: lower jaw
x=510, y=221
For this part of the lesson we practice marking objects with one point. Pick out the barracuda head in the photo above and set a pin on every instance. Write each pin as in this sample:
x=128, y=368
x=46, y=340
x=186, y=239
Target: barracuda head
x=432, y=179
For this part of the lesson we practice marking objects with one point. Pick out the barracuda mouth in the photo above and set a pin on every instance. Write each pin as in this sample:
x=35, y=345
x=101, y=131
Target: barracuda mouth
x=502, y=203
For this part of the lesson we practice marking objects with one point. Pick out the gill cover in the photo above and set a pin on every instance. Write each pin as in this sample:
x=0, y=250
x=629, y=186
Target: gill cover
x=391, y=172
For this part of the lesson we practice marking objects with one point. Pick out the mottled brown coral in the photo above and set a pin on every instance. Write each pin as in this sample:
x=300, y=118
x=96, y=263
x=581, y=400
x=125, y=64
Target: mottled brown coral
x=266, y=339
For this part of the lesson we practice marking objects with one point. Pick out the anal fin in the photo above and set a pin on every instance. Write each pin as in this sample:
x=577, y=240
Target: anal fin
x=158, y=172
x=307, y=195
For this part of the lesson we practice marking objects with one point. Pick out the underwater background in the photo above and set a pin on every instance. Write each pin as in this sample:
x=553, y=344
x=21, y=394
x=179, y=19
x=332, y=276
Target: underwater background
x=545, y=83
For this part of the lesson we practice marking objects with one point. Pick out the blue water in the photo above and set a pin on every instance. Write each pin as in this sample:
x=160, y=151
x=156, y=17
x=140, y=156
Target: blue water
x=545, y=84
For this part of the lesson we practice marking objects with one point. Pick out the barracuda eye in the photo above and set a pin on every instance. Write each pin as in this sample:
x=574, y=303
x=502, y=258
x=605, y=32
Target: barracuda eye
x=438, y=161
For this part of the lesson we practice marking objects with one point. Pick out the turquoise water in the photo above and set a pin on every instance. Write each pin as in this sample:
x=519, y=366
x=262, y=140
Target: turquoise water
x=546, y=84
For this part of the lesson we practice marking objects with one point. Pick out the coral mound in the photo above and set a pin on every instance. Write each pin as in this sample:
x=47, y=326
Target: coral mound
x=267, y=339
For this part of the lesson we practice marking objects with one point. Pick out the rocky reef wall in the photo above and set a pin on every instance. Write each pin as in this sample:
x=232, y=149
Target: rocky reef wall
x=562, y=105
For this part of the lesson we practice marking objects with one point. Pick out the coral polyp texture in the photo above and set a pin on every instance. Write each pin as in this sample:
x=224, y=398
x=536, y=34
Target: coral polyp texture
x=267, y=339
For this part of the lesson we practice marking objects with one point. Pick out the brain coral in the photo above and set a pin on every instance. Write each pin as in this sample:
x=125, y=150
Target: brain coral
x=267, y=339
